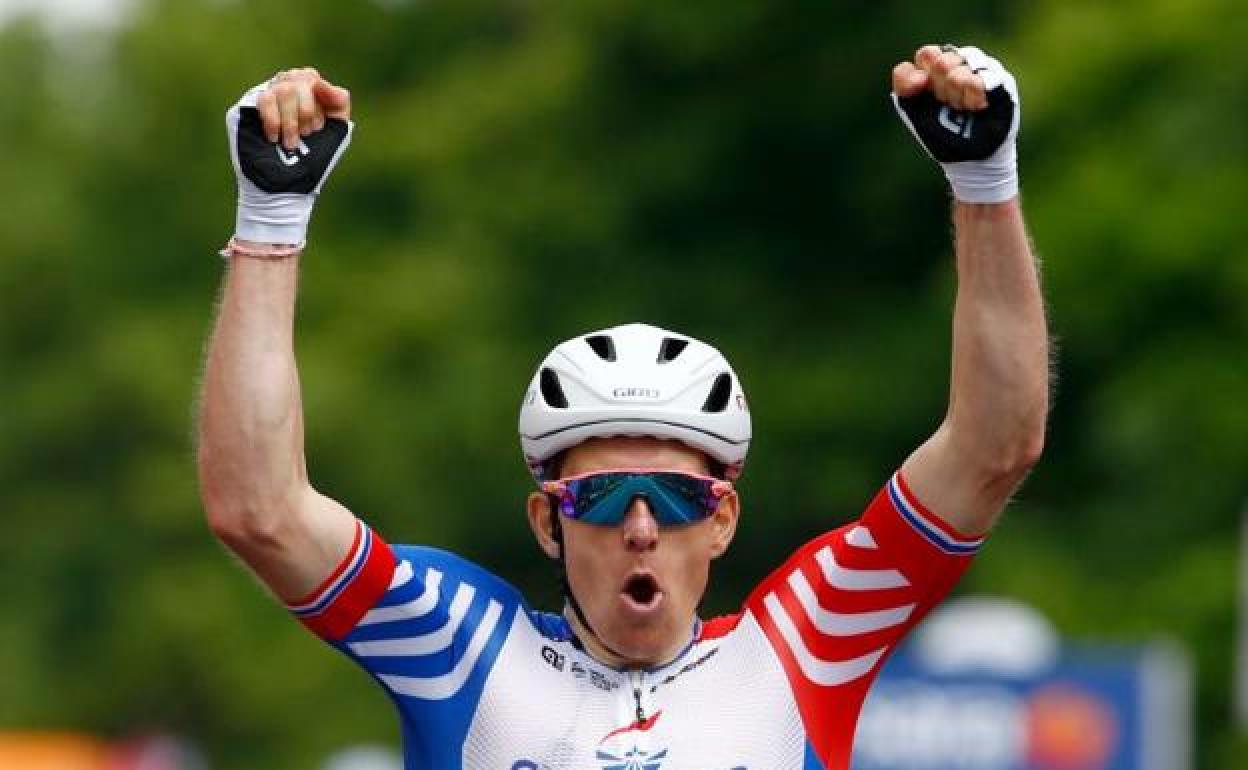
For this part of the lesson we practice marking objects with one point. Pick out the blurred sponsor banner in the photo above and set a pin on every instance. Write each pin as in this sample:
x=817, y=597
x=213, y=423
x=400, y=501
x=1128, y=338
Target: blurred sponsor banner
x=74, y=751
x=51, y=751
x=364, y=757
x=987, y=686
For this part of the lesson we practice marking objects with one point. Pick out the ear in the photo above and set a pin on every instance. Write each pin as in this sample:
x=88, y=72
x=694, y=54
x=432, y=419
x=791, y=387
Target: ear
x=724, y=523
x=539, y=510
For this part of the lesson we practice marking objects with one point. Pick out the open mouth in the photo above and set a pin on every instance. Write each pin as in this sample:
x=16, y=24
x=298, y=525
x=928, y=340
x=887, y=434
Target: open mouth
x=643, y=590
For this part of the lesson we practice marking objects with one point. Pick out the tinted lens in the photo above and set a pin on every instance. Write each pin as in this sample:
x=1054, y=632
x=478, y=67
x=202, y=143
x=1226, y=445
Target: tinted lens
x=591, y=492
x=683, y=499
x=604, y=498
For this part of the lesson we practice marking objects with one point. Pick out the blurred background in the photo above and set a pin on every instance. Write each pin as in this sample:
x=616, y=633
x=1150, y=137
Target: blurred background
x=526, y=171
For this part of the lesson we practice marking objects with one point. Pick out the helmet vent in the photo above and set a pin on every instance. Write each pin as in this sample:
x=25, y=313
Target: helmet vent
x=552, y=391
x=670, y=348
x=717, y=401
x=603, y=345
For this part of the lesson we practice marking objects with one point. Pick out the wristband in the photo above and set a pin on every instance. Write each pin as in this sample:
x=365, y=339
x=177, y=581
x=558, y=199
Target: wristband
x=272, y=252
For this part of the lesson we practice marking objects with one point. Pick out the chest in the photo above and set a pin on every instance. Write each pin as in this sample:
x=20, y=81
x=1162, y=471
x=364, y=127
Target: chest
x=724, y=705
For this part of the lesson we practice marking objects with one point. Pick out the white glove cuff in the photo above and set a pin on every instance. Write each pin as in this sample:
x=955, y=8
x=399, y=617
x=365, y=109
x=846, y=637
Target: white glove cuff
x=272, y=218
x=994, y=180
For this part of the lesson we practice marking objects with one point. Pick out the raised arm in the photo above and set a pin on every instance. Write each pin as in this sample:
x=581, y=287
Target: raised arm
x=963, y=107
x=253, y=479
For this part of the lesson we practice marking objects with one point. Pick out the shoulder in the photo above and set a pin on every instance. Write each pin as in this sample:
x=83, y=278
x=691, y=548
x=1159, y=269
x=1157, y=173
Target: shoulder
x=447, y=580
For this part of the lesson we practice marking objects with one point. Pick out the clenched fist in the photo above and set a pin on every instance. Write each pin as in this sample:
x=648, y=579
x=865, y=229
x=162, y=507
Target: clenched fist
x=278, y=182
x=946, y=74
x=963, y=107
x=297, y=102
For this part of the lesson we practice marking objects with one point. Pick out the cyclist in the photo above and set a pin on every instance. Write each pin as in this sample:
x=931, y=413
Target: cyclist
x=635, y=436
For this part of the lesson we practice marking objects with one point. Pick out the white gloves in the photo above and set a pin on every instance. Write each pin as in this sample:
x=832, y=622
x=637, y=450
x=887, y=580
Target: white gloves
x=277, y=188
x=976, y=149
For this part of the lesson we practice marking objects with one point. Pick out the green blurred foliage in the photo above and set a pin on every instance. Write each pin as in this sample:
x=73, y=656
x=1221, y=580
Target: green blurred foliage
x=523, y=172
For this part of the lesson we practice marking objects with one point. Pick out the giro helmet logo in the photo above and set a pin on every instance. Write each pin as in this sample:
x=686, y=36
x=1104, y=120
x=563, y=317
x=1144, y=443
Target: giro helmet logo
x=646, y=393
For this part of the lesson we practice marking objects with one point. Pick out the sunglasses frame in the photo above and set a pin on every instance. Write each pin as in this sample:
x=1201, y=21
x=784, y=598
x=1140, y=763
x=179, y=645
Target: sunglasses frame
x=559, y=487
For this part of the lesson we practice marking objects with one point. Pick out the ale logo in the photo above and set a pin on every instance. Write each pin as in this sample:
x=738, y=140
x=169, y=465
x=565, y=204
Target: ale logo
x=957, y=122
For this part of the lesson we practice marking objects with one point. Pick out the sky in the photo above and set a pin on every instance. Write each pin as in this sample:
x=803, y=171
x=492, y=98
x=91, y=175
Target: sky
x=68, y=12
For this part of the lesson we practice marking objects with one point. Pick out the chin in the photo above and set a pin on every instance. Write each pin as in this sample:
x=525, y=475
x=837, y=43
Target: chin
x=647, y=646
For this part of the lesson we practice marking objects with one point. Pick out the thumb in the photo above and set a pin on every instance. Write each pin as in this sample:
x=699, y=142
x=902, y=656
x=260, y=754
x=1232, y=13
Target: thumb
x=335, y=100
x=908, y=79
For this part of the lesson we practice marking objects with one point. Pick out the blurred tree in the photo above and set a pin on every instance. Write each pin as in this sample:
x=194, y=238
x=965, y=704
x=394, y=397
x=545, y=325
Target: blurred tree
x=523, y=172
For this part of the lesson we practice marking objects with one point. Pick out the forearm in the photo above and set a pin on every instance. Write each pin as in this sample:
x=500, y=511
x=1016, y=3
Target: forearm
x=999, y=385
x=251, y=461
x=962, y=106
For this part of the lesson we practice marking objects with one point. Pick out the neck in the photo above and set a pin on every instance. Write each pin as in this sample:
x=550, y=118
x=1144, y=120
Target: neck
x=599, y=650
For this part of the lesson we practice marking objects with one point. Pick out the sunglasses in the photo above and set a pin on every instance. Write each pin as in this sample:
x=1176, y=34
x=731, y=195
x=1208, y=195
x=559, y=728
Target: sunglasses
x=604, y=497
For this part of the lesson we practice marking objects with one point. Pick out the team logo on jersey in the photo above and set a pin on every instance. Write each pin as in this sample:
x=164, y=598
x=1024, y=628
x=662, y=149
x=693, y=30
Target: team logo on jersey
x=555, y=659
x=595, y=677
x=632, y=759
x=618, y=749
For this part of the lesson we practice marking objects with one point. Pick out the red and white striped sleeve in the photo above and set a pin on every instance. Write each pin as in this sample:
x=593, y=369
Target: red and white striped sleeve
x=359, y=581
x=836, y=609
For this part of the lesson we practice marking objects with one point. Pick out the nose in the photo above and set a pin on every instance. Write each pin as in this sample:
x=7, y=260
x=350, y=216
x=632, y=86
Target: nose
x=641, y=531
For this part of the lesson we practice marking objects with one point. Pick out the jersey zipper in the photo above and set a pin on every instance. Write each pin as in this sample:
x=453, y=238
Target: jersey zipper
x=637, y=679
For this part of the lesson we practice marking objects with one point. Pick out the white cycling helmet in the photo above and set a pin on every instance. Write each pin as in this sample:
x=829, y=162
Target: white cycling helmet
x=635, y=380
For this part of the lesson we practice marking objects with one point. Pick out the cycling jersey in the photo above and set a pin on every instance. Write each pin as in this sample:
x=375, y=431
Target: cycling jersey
x=481, y=680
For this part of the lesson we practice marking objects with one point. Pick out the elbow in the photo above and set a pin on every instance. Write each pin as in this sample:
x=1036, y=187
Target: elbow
x=241, y=526
x=1033, y=448
x=237, y=512
x=1012, y=460
x=230, y=518
x=1026, y=456
x=998, y=459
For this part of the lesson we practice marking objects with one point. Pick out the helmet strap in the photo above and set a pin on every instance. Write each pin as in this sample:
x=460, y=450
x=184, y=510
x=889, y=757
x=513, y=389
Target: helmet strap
x=556, y=533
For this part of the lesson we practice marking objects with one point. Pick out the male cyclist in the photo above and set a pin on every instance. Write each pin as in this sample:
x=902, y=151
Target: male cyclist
x=635, y=436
